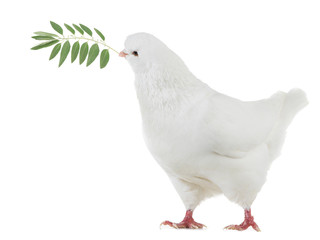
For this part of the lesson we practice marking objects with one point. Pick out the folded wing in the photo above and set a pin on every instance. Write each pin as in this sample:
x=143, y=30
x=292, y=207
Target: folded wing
x=236, y=127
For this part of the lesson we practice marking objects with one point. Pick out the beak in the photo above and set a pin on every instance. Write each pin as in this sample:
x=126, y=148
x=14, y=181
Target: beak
x=123, y=54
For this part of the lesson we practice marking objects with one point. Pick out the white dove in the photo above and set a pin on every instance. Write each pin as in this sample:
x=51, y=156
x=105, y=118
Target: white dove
x=207, y=143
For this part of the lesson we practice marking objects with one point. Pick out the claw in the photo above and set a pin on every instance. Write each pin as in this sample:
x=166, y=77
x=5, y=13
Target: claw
x=193, y=226
x=256, y=227
x=234, y=227
x=170, y=224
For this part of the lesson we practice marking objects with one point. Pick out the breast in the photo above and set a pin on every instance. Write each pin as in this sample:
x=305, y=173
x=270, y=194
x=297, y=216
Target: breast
x=163, y=136
x=171, y=140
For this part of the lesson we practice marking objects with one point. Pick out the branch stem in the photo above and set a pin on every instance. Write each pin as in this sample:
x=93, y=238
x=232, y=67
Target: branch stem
x=73, y=37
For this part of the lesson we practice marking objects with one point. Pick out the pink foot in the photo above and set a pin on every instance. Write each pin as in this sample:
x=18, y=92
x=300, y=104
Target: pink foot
x=248, y=221
x=187, y=222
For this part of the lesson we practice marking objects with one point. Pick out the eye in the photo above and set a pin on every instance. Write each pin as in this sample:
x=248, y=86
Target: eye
x=135, y=53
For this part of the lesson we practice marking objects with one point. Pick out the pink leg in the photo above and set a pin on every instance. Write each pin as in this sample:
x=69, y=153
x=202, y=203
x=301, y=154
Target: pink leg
x=248, y=221
x=187, y=222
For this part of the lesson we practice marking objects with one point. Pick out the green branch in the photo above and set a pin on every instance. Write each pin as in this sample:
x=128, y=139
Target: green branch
x=84, y=51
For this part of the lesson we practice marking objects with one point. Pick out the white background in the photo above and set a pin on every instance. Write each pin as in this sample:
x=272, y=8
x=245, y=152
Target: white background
x=73, y=164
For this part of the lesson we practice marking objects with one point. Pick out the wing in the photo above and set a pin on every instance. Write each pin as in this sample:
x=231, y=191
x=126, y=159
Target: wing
x=236, y=127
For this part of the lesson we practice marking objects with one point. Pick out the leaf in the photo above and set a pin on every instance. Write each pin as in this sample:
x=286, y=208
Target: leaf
x=83, y=52
x=78, y=29
x=64, y=52
x=43, y=37
x=56, y=27
x=46, y=34
x=55, y=51
x=45, y=44
x=86, y=29
x=104, y=58
x=93, y=53
x=100, y=34
x=70, y=28
x=75, y=51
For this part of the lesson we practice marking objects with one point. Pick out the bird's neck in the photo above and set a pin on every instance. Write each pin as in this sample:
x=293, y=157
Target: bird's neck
x=164, y=91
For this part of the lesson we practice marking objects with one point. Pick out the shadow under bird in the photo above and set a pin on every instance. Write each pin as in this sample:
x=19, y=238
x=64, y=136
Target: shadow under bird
x=207, y=143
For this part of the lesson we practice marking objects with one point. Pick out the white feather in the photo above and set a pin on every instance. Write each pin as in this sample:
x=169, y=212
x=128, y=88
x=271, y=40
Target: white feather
x=207, y=143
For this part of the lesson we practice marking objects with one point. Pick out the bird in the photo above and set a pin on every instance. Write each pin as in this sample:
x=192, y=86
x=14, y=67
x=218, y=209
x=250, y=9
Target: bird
x=207, y=143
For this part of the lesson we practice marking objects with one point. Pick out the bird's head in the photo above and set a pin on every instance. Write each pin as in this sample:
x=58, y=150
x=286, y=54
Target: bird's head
x=145, y=52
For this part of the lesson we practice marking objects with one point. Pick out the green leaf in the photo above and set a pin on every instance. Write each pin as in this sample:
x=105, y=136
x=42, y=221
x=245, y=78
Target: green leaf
x=93, y=53
x=45, y=44
x=70, y=28
x=46, y=34
x=56, y=27
x=104, y=58
x=64, y=52
x=83, y=52
x=100, y=34
x=78, y=29
x=86, y=29
x=55, y=51
x=43, y=37
x=75, y=51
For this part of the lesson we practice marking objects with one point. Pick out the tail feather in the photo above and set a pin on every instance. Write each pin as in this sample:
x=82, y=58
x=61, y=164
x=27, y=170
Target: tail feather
x=295, y=100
